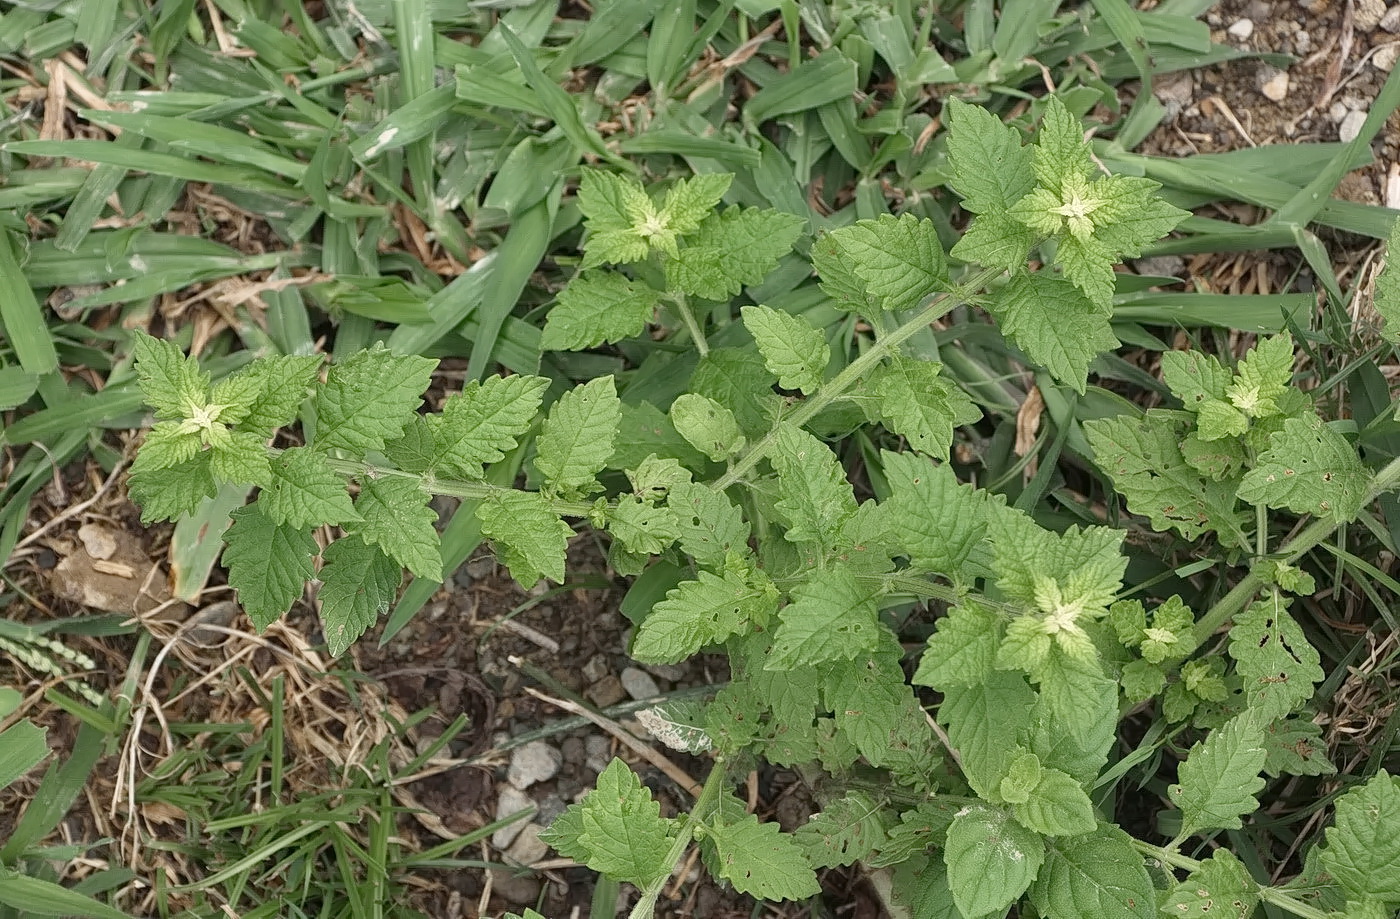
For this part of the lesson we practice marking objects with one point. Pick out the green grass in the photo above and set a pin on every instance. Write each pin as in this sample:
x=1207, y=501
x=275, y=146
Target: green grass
x=405, y=172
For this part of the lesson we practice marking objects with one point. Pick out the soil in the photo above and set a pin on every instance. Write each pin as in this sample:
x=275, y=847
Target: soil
x=484, y=648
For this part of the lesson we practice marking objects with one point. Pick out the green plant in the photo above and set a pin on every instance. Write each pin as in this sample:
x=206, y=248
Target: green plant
x=744, y=528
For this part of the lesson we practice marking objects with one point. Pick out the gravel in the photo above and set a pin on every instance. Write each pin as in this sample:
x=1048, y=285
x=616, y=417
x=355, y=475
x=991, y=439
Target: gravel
x=510, y=801
x=639, y=684
x=536, y=761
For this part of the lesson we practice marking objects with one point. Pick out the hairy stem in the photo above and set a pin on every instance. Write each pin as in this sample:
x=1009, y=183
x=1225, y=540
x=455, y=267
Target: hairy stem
x=714, y=782
x=837, y=386
x=697, y=334
x=456, y=488
x=1315, y=532
x=1268, y=894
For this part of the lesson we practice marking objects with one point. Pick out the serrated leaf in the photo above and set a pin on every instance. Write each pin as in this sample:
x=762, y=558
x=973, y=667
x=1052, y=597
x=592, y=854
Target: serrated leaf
x=368, y=398
x=983, y=723
x=1055, y=324
x=918, y=403
x=483, y=422
x=997, y=240
x=761, y=860
x=167, y=443
x=1219, y=420
x=963, y=650
x=168, y=493
x=240, y=458
x=796, y=353
x=837, y=272
x=900, y=260
x=283, y=381
x=1311, y=469
x=699, y=612
x=394, y=515
x=991, y=860
x=814, y=495
x=678, y=725
x=737, y=379
x=731, y=250
x=1060, y=149
x=1096, y=874
x=879, y=712
x=622, y=829
x=1143, y=457
x=832, y=617
x=937, y=520
x=991, y=168
x=1220, y=776
x=530, y=537
x=1294, y=746
x=1194, y=377
x=615, y=208
x=1220, y=888
x=707, y=426
x=1273, y=658
x=171, y=383
x=641, y=527
x=578, y=434
x=1263, y=377
x=268, y=564
x=690, y=201
x=1056, y=806
x=710, y=525
x=921, y=884
x=305, y=492
x=645, y=431
x=598, y=307
x=1363, y=849
x=846, y=830
x=358, y=583
x=1078, y=693
x=1386, y=293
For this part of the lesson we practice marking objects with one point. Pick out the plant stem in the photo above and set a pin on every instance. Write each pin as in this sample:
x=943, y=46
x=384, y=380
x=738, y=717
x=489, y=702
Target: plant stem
x=688, y=317
x=837, y=386
x=646, y=906
x=1315, y=532
x=1266, y=893
x=471, y=491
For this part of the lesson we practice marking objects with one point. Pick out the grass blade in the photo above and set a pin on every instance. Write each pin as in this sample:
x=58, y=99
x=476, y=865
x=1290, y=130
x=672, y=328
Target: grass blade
x=20, y=315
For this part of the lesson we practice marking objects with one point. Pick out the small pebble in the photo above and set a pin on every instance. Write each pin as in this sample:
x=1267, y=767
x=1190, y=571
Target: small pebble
x=607, y=691
x=572, y=750
x=1384, y=58
x=535, y=762
x=515, y=889
x=1350, y=127
x=1391, y=20
x=596, y=668
x=673, y=672
x=1274, y=84
x=639, y=684
x=551, y=806
x=1367, y=14
x=510, y=801
x=1241, y=29
x=599, y=752
x=1162, y=266
x=1337, y=111
x=528, y=848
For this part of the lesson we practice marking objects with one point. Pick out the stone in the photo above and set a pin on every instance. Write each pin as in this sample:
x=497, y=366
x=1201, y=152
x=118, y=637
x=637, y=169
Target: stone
x=607, y=691
x=528, y=848
x=673, y=672
x=595, y=668
x=509, y=801
x=534, y=762
x=1241, y=29
x=572, y=750
x=1367, y=14
x=1350, y=127
x=1273, y=84
x=1384, y=58
x=515, y=889
x=599, y=752
x=551, y=806
x=1391, y=20
x=639, y=684
x=1161, y=266
x=99, y=541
